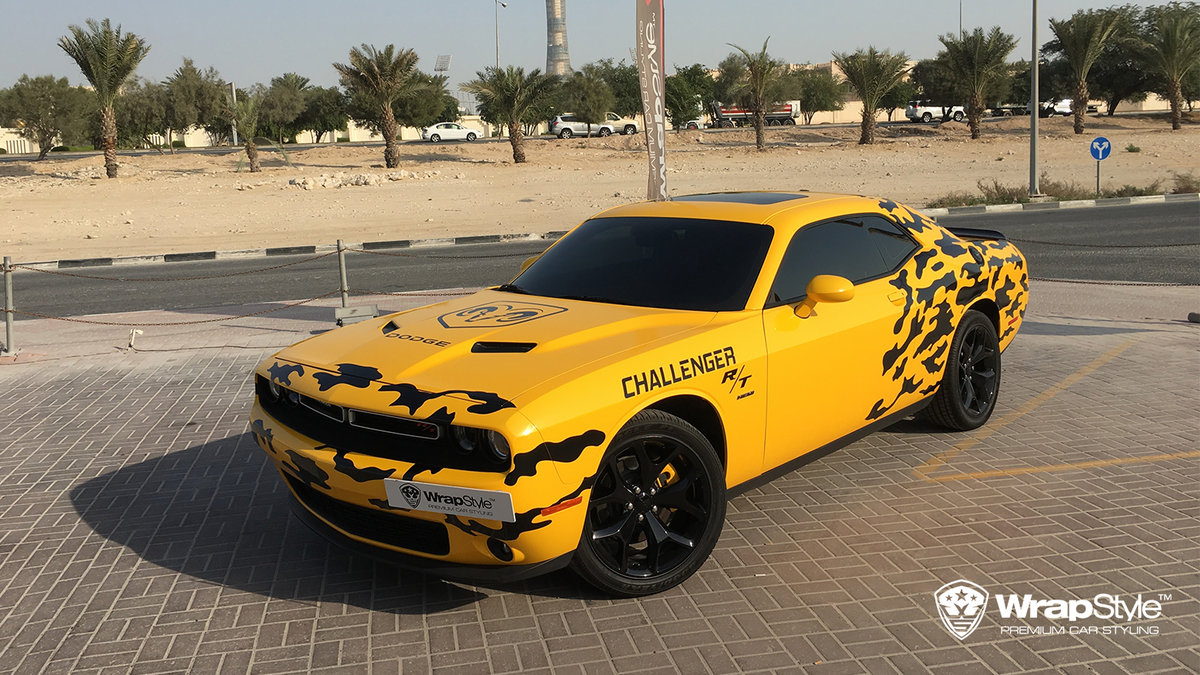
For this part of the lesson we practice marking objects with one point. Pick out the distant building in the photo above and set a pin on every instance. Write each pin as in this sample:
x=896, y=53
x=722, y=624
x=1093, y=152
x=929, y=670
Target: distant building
x=558, y=62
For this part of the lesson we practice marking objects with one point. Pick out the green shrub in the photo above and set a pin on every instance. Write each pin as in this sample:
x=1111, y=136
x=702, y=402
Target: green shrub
x=1132, y=148
x=343, y=139
x=3, y=151
x=1185, y=183
x=1002, y=194
x=60, y=148
x=178, y=144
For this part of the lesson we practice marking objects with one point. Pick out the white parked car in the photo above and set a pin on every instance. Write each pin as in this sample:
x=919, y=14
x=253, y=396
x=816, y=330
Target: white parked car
x=925, y=111
x=448, y=131
x=567, y=125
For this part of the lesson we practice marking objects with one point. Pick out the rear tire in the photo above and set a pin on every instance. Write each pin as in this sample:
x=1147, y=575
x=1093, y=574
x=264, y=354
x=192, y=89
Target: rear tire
x=630, y=130
x=435, y=138
x=971, y=384
x=656, y=508
x=604, y=131
x=927, y=117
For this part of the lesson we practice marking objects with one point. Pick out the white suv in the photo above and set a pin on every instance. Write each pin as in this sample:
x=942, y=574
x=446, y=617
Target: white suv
x=567, y=125
x=925, y=111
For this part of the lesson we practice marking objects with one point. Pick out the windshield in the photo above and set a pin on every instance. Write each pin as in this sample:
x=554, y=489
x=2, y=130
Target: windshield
x=672, y=263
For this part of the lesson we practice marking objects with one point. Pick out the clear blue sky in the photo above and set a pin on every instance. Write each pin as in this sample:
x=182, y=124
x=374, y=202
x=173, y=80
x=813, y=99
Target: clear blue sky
x=252, y=41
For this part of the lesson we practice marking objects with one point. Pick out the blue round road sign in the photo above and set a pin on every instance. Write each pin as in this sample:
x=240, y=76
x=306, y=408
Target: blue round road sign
x=1100, y=148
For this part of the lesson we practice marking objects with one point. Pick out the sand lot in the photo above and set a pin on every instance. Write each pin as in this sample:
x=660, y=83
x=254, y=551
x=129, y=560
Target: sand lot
x=63, y=208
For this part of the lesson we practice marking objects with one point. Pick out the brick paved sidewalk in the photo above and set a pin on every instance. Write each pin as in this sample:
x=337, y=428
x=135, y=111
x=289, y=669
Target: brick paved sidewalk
x=142, y=530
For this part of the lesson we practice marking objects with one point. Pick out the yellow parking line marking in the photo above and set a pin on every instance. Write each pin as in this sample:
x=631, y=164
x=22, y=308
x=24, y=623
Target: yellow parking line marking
x=1066, y=467
x=1029, y=406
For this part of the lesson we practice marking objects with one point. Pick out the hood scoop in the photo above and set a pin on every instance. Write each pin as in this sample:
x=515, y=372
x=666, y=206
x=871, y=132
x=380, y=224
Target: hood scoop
x=502, y=347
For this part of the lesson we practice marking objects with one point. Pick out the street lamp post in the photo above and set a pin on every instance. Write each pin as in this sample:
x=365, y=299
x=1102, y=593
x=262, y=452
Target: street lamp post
x=1035, y=190
x=499, y=4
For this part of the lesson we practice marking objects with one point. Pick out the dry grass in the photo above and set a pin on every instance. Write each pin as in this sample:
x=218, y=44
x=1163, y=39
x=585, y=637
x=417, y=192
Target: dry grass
x=994, y=192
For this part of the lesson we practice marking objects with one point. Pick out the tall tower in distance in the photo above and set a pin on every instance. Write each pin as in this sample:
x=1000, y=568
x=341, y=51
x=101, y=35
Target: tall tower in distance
x=558, y=62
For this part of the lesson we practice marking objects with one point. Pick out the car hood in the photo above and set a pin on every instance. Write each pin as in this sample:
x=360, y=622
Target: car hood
x=492, y=341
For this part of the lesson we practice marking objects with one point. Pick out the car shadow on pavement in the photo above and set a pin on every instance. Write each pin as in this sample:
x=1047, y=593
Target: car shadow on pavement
x=219, y=512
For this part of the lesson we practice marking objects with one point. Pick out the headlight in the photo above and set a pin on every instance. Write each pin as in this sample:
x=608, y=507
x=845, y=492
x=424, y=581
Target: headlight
x=275, y=389
x=470, y=439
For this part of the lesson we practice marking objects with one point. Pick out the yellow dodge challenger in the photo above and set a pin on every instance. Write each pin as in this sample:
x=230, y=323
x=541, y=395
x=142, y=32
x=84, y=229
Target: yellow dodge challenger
x=598, y=410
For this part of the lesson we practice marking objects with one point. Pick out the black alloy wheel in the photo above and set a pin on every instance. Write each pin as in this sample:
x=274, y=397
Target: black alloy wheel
x=656, y=509
x=971, y=383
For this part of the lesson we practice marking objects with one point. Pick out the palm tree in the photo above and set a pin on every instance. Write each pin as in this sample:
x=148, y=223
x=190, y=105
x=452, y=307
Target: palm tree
x=872, y=74
x=380, y=77
x=1174, y=51
x=1082, y=38
x=978, y=61
x=759, y=87
x=509, y=93
x=244, y=114
x=107, y=58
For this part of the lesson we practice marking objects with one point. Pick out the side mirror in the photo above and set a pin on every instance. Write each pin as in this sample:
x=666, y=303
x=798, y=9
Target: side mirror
x=824, y=288
x=529, y=261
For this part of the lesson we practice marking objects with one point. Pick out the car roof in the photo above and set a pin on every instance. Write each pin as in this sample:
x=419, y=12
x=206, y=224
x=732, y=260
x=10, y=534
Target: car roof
x=785, y=211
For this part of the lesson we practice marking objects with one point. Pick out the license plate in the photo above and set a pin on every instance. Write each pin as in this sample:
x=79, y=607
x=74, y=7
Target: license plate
x=488, y=504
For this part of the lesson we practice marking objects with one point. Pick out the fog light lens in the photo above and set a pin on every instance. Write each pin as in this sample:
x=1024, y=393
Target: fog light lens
x=292, y=398
x=501, y=550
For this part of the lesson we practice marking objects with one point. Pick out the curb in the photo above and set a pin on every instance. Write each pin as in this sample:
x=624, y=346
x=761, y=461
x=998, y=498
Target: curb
x=292, y=250
x=1050, y=206
x=544, y=236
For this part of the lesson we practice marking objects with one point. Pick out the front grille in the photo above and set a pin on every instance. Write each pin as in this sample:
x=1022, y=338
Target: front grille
x=386, y=528
x=372, y=434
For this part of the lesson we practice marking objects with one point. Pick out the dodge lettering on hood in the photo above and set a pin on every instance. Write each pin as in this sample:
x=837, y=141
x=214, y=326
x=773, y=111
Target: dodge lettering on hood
x=598, y=410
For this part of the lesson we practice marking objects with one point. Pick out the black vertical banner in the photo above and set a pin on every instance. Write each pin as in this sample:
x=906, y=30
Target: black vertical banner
x=650, y=73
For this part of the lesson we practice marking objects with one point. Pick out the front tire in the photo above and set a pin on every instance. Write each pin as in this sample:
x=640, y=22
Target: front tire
x=471, y=136
x=958, y=116
x=656, y=509
x=971, y=384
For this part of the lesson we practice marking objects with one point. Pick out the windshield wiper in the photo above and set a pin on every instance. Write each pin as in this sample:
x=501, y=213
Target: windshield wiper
x=511, y=288
x=591, y=298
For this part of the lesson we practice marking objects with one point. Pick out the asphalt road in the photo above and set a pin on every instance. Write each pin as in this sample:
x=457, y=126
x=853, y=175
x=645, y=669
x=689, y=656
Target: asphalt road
x=1140, y=243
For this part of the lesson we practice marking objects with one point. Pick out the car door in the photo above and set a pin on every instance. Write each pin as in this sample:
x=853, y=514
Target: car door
x=825, y=372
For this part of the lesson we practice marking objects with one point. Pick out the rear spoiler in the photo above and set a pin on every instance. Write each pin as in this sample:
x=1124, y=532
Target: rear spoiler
x=973, y=233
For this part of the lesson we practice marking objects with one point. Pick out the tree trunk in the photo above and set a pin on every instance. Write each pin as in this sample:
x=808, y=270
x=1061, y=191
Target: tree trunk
x=517, y=140
x=171, y=140
x=108, y=138
x=974, y=113
x=252, y=156
x=1079, y=105
x=868, y=127
x=760, y=120
x=1175, y=94
x=391, y=151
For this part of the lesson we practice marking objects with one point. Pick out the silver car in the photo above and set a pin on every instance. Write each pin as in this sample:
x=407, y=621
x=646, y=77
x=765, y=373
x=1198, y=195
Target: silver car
x=567, y=125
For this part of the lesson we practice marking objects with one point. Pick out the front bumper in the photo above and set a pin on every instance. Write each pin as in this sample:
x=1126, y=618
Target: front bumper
x=343, y=496
x=442, y=569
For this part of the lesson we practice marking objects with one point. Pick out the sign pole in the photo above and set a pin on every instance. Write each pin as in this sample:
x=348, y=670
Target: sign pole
x=650, y=65
x=1097, y=178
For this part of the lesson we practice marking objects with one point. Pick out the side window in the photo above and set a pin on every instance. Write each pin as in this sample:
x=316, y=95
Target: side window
x=894, y=245
x=858, y=248
x=840, y=247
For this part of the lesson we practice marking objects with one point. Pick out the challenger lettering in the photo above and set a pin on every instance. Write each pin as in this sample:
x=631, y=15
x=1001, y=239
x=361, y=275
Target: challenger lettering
x=673, y=373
